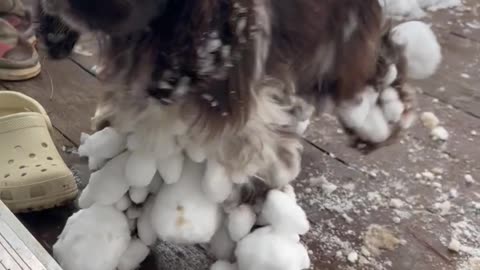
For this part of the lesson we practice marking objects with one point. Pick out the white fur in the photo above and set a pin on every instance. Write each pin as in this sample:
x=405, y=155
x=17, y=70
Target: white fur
x=422, y=49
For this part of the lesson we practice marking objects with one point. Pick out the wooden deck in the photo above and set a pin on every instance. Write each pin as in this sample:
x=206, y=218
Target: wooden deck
x=412, y=231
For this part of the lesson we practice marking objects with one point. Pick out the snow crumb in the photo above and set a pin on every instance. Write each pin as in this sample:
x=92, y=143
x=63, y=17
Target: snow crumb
x=469, y=179
x=428, y=175
x=454, y=245
x=443, y=208
x=352, y=257
x=439, y=134
x=453, y=193
x=378, y=238
x=396, y=203
x=327, y=187
x=396, y=220
x=429, y=120
x=365, y=251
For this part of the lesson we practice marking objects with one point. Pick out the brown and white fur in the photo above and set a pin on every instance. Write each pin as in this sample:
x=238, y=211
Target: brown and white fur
x=232, y=80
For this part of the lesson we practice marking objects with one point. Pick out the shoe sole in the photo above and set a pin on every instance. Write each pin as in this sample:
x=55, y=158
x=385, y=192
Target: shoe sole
x=20, y=74
x=43, y=203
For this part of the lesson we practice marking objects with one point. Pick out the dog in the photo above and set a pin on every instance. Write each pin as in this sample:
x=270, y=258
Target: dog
x=242, y=77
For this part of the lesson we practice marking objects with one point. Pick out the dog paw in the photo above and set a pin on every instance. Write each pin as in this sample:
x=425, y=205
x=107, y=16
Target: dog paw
x=377, y=115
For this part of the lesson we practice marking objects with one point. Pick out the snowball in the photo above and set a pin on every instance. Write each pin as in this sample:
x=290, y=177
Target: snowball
x=283, y=214
x=195, y=152
x=216, y=183
x=240, y=222
x=429, y=120
x=145, y=230
x=170, y=168
x=290, y=191
x=375, y=128
x=94, y=238
x=393, y=111
x=138, y=194
x=182, y=213
x=106, y=186
x=221, y=245
x=134, y=212
x=123, y=203
x=439, y=134
x=140, y=169
x=135, y=254
x=266, y=250
x=352, y=257
x=223, y=265
x=103, y=144
x=355, y=114
x=422, y=50
x=389, y=94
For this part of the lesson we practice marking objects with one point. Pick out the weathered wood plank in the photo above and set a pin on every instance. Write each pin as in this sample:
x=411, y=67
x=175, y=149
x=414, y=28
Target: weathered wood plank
x=67, y=92
x=341, y=219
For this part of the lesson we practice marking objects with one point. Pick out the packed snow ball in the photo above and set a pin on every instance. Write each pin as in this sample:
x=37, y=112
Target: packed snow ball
x=422, y=50
x=266, y=249
x=93, y=239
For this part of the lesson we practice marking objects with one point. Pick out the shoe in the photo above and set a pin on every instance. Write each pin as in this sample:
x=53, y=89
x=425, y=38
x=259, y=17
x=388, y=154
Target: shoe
x=18, y=58
x=33, y=176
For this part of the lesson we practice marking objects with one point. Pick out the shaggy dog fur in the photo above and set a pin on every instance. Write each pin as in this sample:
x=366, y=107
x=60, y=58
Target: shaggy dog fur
x=234, y=76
